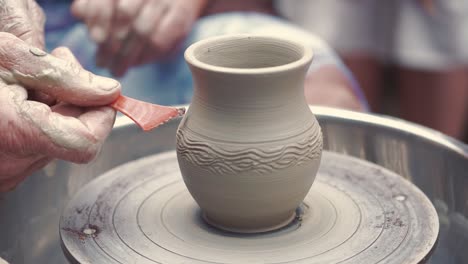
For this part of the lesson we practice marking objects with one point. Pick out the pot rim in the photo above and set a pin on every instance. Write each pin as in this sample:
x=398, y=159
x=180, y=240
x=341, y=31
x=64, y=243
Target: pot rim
x=191, y=59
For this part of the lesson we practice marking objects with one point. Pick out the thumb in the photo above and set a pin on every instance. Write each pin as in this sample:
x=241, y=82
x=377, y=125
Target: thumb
x=65, y=80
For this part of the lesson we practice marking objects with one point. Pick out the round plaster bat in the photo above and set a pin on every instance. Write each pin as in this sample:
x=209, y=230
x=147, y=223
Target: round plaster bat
x=356, y=212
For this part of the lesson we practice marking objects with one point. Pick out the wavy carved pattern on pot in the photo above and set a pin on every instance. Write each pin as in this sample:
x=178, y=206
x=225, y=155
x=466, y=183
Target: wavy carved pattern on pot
x=230, y=158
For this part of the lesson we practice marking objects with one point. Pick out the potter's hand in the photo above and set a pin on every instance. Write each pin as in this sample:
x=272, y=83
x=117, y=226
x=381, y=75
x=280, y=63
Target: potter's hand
x=24, y=19
x=134, y=32
x=34, y=133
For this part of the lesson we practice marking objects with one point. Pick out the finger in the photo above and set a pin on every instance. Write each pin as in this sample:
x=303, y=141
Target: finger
x=173, y=28
x=144, y=24
x=159, y=46
x=149, y=17
x=125, y=12
x=80, y=139
x=98, y=121
x=132, y=48
x=66, y=54
x=59, y=134
x=65, y=131
x=78, y=8
x=41, y=97
x=128, y=55
x=62, y=79
x=99, y=18
x=60, y=52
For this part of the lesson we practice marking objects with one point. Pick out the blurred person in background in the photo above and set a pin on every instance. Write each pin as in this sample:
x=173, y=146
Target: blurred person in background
x=142, y=41
x=425, y=40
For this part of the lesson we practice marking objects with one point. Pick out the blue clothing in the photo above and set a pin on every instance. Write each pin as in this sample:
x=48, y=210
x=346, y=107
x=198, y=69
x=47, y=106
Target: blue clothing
x=170, y=82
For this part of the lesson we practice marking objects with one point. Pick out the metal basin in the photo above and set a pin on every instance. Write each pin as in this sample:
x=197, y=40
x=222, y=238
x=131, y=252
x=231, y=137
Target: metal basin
x=29, y=216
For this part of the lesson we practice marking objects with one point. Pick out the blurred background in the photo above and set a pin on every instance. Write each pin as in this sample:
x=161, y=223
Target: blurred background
x=410, y=57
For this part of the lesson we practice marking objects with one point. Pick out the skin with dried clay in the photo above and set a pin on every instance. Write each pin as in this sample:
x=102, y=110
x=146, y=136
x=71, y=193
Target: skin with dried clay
x=51, y=107
x=35, y=132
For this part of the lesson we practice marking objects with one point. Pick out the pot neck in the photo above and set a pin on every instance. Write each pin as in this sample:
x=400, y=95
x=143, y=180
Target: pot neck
x=248, y=105
x=232, y=92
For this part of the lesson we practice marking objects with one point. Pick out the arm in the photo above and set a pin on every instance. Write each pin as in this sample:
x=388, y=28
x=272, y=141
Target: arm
x=329, y=82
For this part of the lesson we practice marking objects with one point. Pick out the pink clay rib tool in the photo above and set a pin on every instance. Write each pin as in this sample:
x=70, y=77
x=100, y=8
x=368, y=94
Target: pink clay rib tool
x=146, y=115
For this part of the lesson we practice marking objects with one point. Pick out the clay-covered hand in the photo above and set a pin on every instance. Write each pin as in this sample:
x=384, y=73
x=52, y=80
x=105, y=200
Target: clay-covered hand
x=33, y=133
x=24, y=19
x=134, y=32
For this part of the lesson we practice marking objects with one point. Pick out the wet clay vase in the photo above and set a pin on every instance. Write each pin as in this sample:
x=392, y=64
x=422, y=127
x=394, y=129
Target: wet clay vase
x=248, y=147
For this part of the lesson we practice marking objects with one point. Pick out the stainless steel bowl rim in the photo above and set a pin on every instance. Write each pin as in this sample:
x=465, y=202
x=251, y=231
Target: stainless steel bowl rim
x=390, y=122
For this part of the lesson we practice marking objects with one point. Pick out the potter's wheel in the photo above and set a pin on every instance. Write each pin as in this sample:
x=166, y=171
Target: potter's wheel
x=356, y=212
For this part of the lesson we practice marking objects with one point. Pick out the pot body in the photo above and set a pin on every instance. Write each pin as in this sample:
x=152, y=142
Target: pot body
x=248, y=147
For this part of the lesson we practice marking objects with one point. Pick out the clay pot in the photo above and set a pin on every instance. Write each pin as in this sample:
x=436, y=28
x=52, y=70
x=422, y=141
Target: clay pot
x=248, y=147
